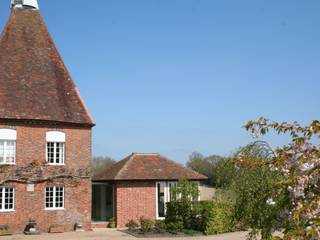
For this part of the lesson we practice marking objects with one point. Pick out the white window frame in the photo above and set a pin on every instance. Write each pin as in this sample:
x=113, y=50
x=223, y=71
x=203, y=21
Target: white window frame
x=62, y=156
x=157, y=200
x=166, y=196
x=56, y=137
x=199, y=189
x=2, y=192
x=8, y=135
x=173, y=184
x=54, y=198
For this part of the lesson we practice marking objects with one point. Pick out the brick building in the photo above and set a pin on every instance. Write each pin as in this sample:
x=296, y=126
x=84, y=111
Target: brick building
x=138, y=186
x=45, y=130
x=45, y=143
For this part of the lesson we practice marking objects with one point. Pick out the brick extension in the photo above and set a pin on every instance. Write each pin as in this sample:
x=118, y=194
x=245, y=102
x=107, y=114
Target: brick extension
x=135, y=199
x=134, y=183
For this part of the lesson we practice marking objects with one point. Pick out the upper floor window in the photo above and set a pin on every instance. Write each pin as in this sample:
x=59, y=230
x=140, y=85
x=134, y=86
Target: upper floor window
x=55, y=147
x=8, y=139
x=6, y=199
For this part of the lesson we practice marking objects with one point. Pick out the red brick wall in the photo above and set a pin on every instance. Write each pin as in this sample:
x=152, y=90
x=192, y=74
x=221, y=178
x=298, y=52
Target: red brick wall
x=30, y=205
x=133, y=200
x=31, y=147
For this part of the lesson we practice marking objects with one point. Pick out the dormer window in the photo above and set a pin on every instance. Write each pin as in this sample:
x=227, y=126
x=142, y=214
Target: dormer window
x=8, y=139
x=55, y=147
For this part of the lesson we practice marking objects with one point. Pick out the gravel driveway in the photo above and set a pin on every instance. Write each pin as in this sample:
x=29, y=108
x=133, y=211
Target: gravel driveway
x=109, y=234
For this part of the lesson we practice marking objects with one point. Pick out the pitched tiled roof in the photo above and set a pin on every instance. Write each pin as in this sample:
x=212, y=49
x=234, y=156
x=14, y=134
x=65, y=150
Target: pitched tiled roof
x=34, y=82
x=139, y=166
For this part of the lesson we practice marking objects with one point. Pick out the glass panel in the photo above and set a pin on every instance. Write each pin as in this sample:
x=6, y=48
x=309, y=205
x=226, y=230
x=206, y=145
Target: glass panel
x=57, y=153
x=49, y=197
x=62, y=153
x=1, y=192
x=10, y=152
x=1, y=151
x=170, y=186
x=8, y=203
x=50, y=152
x=161, y=199
x=102, y=202
x=59, y=197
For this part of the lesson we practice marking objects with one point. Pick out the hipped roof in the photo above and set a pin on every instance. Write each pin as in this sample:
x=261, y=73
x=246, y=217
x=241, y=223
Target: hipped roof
x=141, y=166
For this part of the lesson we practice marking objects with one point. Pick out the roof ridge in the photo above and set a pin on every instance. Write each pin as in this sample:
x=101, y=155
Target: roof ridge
x=182, y=165
x=77, y=92
x=127, y=160
x=140, y=153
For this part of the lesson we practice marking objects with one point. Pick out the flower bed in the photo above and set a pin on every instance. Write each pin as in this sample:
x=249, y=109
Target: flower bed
x=154, y=234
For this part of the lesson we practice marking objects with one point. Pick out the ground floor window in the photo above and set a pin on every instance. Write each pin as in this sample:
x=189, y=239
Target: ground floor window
x=54, y=198
x=102, y=202
x=163, y=191
x=6, y=199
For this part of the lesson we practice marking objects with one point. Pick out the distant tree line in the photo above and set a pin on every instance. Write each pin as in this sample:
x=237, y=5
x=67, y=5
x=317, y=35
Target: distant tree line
x=101, y=163
x=218, y=169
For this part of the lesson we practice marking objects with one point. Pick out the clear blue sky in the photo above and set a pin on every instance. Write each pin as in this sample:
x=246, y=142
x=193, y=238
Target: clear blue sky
x=177, y=76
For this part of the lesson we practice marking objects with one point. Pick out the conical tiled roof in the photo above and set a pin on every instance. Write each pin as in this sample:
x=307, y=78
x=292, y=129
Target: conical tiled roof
x=34, y=82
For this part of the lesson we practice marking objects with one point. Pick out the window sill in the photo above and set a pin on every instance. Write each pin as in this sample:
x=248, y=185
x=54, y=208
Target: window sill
x=54, y=209
x=55, y=164
x=7, y=211
x=161, y=218
x=8, y=164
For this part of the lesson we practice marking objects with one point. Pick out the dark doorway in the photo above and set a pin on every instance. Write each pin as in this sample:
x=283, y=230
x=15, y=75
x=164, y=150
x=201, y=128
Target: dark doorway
x=102, y=202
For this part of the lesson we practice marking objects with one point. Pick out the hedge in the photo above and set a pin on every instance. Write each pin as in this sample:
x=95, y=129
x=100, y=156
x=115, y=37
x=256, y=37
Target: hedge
x=217, y=217
x=210, y=217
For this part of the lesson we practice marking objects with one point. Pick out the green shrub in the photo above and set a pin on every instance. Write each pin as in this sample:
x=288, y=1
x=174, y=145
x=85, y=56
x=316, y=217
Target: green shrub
x=189, y=213
x=217, y=217
x=160, y=226
x=210, y=217
x=174, y=227
x=132, y=225
x=176, y=212
x=146, y=225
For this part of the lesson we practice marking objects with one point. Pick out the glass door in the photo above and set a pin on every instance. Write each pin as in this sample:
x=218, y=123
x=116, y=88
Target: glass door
x=161, y=201
x=102, y=202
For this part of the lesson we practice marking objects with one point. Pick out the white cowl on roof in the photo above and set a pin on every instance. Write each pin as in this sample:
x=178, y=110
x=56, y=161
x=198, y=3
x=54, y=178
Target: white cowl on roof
x=25, y=3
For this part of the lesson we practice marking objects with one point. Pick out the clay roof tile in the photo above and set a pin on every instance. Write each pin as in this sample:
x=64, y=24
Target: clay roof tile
x=34, y=82
x=144, y=166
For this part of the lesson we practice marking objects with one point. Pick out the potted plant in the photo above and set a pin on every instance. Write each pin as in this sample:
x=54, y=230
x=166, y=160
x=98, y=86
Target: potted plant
x=4, y=230
x=112, y=223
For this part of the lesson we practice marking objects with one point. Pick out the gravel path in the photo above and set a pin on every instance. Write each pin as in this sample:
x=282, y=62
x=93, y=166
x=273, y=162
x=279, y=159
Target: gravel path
x=109, y=234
